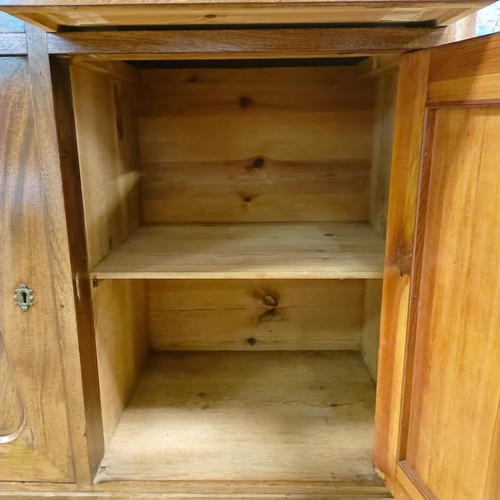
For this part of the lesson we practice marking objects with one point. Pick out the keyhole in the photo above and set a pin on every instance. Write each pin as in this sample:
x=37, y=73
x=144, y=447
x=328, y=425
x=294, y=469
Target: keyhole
x=23, y=297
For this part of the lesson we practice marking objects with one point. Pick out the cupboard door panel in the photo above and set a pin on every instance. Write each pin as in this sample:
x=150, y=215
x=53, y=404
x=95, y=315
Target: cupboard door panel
x=440, y=436
x=455, y=391
x=31, y=374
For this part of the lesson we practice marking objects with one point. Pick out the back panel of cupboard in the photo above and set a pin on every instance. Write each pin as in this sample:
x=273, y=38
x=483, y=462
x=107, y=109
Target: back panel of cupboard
x=255, y=144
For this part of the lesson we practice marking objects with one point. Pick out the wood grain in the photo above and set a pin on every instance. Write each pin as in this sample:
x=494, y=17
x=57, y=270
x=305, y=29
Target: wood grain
x=107, y=148
x=475, y=88
x=210, y=490
x=242, y=251
x=462, y=28
x=383, y=139
x=347, y=490
x=406, y=487
x=30, y=339
x=469, y=73
x=457, y=348
x=412, y=93
x=12, y=411
x=92, y=450
x=105, y=124
x=117, y=4
x=385, y=72
x=475, y=57
x=81, y=415
x=246, y=416
x=370, y=329
x=122, y=344
x=258, y=188
x=248, y=43
x=53, y=15
x=290, y=144
x=450, y=330
x=255, y=315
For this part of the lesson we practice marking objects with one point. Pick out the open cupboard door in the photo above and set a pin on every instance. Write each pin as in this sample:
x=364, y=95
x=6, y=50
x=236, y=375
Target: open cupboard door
x=438, y=414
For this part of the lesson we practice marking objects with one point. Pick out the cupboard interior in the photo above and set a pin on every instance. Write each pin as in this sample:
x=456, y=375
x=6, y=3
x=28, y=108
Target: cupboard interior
x=235, y=217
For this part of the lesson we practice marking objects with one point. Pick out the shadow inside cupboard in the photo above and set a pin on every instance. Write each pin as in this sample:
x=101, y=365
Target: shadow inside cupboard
x=235, y=217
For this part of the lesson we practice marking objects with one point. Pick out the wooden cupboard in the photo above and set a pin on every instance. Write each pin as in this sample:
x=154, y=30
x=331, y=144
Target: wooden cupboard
x=264, y=263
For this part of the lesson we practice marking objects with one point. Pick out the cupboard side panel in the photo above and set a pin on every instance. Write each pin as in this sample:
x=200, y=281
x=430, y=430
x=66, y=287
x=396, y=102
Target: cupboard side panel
x=380, y=177
x=412, y=91
x=62, y=94
x=121, y=341
x=383, y=140
x=370, y=328
x=105, y=122
x=104, y=98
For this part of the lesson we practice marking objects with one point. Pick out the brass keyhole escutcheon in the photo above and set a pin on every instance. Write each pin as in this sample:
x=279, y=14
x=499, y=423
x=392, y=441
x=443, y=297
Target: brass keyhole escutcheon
x=23, y=297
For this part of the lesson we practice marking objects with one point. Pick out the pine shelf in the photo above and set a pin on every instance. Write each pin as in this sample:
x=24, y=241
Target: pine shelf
x=241, y=416
x=247, y=251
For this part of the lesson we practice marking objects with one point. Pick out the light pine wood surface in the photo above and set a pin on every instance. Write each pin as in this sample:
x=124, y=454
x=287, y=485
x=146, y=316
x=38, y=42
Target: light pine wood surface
x=383, y=140
x=254, y=315
x=246, y=416
x=106, y=136
x=206, y=490
x=122, y=343
x=370, y=330
x=104, y=107
x=252, y=250
x=255, y=144
x=256, y=189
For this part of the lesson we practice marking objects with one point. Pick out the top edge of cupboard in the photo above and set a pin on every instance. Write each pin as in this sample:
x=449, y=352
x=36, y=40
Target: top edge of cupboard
x=77, y=14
